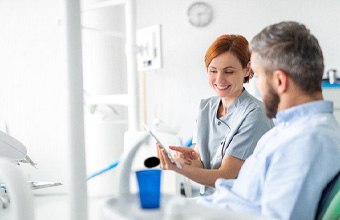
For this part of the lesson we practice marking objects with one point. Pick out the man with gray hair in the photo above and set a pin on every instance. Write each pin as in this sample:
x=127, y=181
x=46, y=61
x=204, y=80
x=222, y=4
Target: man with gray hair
x=293, y=162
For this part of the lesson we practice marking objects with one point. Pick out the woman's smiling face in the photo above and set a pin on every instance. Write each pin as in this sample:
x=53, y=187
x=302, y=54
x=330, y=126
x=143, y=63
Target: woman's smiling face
x=226, y=75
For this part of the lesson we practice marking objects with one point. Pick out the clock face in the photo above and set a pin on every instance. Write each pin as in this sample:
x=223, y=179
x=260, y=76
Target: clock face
x=200, y=14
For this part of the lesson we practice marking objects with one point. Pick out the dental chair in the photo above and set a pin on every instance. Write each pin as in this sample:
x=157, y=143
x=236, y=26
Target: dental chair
x=329, y=204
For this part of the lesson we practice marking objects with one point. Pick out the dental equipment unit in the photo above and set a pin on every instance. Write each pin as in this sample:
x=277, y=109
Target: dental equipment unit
x=173, y=207
x=14, y=150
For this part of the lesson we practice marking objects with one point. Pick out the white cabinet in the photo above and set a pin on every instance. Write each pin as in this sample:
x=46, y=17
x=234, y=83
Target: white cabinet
x=106, y=101
x=333, y=94
x=104, y=60
x=109, y=56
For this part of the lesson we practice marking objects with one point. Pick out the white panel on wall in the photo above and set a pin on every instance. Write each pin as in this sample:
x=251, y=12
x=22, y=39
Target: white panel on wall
x=149, y=55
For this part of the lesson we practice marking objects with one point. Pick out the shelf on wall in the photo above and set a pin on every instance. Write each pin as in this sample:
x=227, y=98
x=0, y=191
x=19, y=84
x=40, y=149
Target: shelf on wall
x=118, y=99
x=102, y=4
x=326, y=84
x=103, y=31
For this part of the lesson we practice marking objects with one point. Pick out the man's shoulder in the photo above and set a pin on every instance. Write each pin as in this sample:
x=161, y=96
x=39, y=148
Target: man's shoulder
x=307, y=137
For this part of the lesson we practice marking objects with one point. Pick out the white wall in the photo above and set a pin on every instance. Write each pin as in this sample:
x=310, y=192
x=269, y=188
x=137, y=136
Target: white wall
x=173, y=93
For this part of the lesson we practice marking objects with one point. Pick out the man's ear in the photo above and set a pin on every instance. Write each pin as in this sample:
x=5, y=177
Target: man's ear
x=248, y=70
x=280, y=79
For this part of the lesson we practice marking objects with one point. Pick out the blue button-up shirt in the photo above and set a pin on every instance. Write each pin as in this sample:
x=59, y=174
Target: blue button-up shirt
x=291, y=165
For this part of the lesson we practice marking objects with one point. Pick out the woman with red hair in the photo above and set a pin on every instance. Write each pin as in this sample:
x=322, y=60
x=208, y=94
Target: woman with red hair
x=228, y=124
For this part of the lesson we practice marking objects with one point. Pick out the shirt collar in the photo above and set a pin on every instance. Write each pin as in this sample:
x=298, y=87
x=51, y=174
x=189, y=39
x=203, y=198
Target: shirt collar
x=304, y=110
x=244, y=95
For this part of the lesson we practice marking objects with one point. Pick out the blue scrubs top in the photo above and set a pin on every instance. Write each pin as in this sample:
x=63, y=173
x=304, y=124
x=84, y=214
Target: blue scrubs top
x=235, y=134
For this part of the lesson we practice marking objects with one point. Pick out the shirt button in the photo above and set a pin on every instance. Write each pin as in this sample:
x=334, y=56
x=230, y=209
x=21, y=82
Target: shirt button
x=218, y=123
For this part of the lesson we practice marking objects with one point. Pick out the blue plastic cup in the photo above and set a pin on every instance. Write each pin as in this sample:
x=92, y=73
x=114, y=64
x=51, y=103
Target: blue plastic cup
x=149, y=184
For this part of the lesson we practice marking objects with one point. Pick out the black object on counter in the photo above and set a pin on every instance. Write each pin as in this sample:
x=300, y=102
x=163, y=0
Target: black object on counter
x=152, y=162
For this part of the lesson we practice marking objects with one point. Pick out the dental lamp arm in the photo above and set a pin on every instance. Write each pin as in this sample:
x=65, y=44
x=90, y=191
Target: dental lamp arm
x=126, y=163
x=13, y=150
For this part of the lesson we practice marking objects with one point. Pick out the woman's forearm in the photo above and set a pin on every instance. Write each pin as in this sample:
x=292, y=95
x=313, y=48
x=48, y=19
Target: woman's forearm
x=202, y=176
x=228, y=170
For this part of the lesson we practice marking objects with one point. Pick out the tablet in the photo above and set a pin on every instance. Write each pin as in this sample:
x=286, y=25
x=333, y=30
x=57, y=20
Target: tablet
x=166, y=150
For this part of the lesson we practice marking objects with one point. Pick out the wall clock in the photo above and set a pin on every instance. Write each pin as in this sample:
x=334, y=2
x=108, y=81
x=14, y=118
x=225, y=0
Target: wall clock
x=200, y=14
